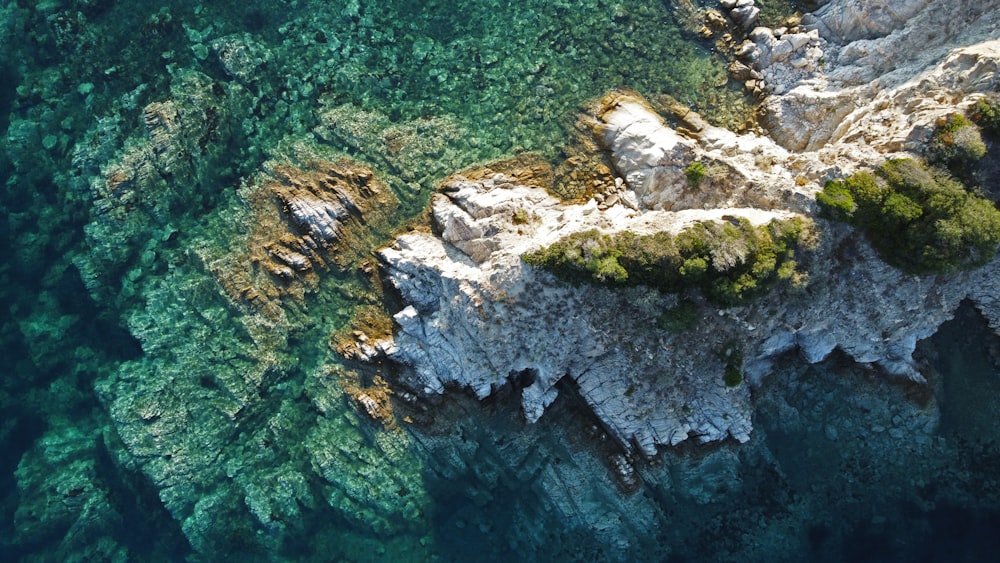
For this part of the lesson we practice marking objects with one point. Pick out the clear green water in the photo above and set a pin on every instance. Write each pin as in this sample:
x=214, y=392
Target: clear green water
x=143, y=421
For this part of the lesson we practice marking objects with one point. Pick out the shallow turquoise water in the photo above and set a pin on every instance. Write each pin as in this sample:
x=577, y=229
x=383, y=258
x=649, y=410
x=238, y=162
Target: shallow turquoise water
x=142, y=419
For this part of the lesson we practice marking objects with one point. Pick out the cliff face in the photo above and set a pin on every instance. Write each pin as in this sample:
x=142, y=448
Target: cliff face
x=477, y=316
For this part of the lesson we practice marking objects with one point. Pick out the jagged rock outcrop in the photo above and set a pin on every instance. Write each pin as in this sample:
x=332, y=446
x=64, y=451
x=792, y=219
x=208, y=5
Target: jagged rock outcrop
x=853, y=20
x=653, y=159
x=478, y=317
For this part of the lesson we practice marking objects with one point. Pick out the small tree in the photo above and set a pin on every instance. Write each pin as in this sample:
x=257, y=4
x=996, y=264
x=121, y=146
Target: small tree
x=986, y=113
x=695, y=173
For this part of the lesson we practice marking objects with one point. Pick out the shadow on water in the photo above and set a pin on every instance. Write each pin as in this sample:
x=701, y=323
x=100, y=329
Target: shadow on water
x=8, y=89
x=97, y=328
x=493, y=505
x=968, y=392
x=970, y=381
x=149, y=531
x=946, y=534
x=916, y=497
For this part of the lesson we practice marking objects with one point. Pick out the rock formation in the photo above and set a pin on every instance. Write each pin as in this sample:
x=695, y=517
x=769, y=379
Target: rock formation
x=303, y=221
x=477, y=316
x=883, y=78
x=236, y=186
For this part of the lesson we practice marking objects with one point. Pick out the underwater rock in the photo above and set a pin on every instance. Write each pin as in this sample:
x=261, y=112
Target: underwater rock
x=63, y=501
x=198, y=416
x=303, y=221
x=156, y=179
x=413, y=153
x=240, y=56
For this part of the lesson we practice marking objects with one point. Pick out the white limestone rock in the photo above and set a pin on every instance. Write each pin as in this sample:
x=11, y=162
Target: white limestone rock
x=480, y=321
x=902, y=64
x=852, y=20
x=745, y=14
x=478, y=317
x=650, y=156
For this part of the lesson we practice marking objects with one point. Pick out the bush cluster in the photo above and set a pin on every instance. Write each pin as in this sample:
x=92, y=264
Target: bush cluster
x=919, y=219
x=956, y=142
x=732, y=358
x=680, y=318
x=731, y=261
x=986, y=113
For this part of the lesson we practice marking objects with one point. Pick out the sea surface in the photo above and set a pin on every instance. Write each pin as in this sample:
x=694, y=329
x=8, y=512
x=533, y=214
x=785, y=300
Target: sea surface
x=146, y=416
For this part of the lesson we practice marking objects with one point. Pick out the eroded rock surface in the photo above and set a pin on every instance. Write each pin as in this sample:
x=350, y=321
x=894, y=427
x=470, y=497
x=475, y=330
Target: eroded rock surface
x=886, y=68
x=484, y=319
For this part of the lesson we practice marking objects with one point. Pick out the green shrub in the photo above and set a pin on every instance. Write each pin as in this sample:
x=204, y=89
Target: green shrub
x=730, y=262
x=732, y=358
x=695, y=173
x=919, y=219
x=986, y=113
x=679, y=319
x=956, y=141
x=582, y=256
x=520, y=216
x=836, y=201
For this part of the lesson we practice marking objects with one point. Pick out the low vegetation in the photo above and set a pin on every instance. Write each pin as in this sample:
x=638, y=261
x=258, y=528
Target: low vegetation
x=920, y=219
x=731, y=262
x=986, y=113
x=695, y=173
x=732, y=358
x=680, y=318
x=956, y=142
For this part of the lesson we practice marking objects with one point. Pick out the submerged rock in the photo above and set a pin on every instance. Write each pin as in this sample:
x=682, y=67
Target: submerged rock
x=302, y=221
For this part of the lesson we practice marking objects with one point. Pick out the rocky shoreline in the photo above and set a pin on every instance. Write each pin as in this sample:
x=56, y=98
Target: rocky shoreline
x=477, y=316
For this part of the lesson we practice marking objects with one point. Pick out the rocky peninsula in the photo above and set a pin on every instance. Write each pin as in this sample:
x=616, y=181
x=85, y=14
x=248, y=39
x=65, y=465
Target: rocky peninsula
x=477, y=316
